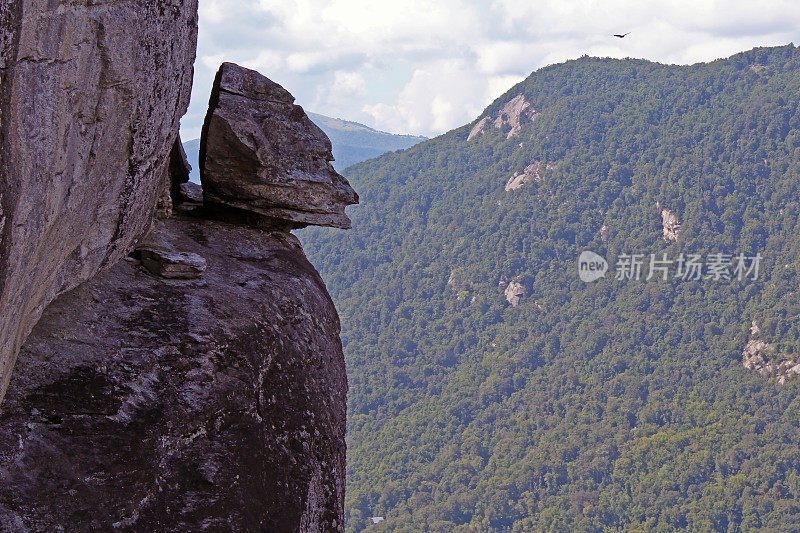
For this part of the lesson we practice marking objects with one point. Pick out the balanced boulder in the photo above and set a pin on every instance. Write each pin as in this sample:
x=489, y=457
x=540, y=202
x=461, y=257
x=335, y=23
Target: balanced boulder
x=263, y=161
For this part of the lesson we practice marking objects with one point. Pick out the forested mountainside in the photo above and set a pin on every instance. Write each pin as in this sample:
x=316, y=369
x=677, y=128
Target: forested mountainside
x=618, y=405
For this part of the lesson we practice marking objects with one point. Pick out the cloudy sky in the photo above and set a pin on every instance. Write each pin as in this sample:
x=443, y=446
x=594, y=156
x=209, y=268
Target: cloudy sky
x=427, y=66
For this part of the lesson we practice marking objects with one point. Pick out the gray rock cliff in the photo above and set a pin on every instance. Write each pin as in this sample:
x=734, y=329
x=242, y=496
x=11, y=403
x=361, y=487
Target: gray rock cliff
x=91, y=95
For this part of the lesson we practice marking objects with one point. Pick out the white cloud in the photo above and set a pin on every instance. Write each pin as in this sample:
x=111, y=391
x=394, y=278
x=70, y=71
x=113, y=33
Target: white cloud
x=212, y=62
x=439, y=96
x=349, y=84
x=338, y=96
x=424, y=67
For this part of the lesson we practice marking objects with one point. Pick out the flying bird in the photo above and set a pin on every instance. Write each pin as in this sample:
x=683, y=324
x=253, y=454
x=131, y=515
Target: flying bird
x=621, y=35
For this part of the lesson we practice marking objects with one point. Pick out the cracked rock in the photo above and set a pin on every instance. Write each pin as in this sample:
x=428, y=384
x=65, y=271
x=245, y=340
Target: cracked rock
x=172, y=265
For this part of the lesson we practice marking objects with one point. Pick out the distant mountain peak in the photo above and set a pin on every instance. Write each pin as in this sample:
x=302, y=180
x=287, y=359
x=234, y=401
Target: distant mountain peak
x=354, y=142
x=341, y=124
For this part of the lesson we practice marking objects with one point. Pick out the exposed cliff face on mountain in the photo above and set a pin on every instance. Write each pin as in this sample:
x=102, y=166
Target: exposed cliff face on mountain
x=509, y=119
x=198, y=383
x=90, y=104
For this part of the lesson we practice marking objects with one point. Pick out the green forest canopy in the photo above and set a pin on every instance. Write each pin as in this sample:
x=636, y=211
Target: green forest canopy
x=620, y=405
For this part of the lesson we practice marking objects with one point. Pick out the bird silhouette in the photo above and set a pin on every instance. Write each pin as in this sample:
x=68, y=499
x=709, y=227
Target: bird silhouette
x=621, y=35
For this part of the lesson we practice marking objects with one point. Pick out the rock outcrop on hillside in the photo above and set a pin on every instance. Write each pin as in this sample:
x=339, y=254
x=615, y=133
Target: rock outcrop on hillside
x=765, y=359
x=532, y=173
x=514, y=293
x=509, y=119
x=91, y=97
x=262, y=159
x=148, y=404
x=670, y=224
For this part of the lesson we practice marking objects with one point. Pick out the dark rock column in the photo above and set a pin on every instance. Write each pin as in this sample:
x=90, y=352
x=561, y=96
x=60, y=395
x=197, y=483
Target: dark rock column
x=213, y=404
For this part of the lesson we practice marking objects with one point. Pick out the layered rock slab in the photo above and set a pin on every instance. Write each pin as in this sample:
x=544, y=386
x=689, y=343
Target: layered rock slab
x=147, y=404
x=263, y=161
x=91, y=94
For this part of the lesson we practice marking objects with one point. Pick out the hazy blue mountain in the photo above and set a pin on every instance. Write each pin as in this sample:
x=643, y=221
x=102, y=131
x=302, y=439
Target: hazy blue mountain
x=352, y=143
x=192, y=149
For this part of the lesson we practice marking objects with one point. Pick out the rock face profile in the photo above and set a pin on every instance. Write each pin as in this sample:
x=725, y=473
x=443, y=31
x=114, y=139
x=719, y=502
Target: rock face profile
x=262, y=159
x=91, y=95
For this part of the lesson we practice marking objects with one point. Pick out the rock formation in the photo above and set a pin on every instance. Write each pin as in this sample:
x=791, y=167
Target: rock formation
x=670, y=225
x=604, y=237
x=509, y=119
x=171, y=264
x=514, y=292
x=262, y=159
x=533, y=172
x=91, y=96
x=198, y=383
x=765, y=359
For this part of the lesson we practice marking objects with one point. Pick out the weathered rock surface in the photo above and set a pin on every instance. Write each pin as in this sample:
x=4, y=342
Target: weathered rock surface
x=763, y=357
x=509, y=119
x=670, y=224
x=532, y=173
x=217, y=404
x=262, y=159
x=91, y=94
x=190, y=193
x=514, y=293
x=171, y=264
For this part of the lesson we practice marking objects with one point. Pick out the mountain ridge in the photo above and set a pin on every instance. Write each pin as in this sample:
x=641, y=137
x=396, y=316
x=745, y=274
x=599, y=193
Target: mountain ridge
x=612, y=406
